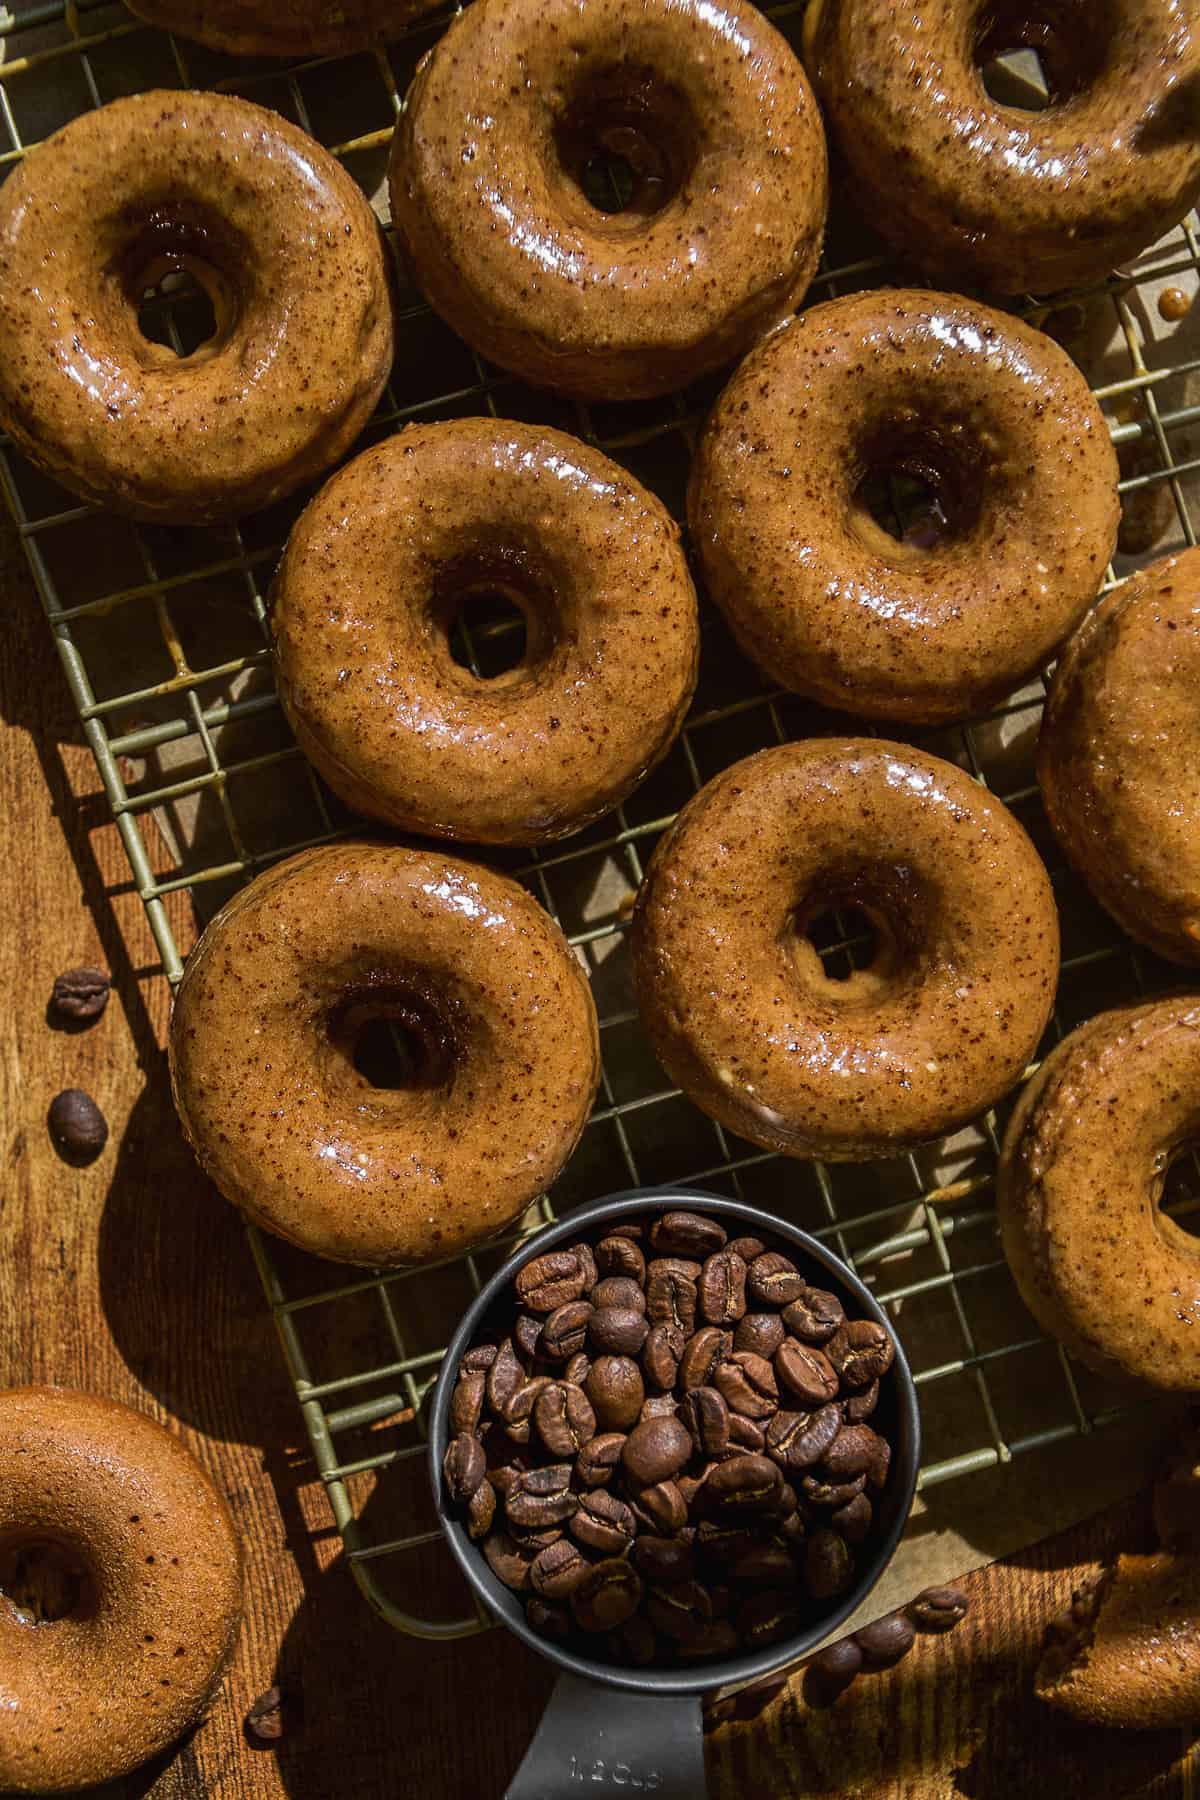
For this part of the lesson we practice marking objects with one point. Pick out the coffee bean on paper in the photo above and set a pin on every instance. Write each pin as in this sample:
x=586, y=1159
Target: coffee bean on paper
x=80, y=995
x=78, y=1129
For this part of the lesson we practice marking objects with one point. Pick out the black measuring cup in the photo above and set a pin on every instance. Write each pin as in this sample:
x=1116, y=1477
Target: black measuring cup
x=607, y=1727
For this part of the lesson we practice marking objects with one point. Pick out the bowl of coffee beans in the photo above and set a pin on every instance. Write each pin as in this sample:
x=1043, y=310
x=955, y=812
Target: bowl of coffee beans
x=674, y=1445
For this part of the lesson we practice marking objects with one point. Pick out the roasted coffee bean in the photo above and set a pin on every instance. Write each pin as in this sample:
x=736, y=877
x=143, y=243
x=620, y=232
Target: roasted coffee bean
x=679, y=1608
x=939, y=1608
x=877, y=1468
x=852, y=1452
x=616, y=1390
x=548, y=1619
x=466, y=1402
x=815, y=1316
x=686, y=1234
x=806, y=1371
x=853, y=1521
x=861, y=1351
x=619, y=1290
x=578, y=1369
x=478, y=1359
x=598, y=1461
x=701, y=1354
x=788, y=1500
x=886, y=1640
x=564, y=1418
x=273, y=1716
x=766, y=1565
x=671, y=1295
x=658, y=1406
x=706, y=1416
x=507, y=1561
x=481, y=1510
x=796, y=1440
x=630, y=1228
x=761, y=1332
x=519, y=1416
x=541, y=1497
x=558, y=1570
x=609, y=1593
x=664, y=1558
x=604, y=1523
x=820, y=1489
x=831, y=1671
x=587, y=1263
x=552, y=1280
x=747, y=1247
x=773, y=1279
x=617, y=1331
x=565, y=1331
x=505, y=1478
x=656, y=1449
x=793, y=1528
x=504, y=1377
x=741, y=1484
x=620, y=1256
x=721, y=1289
x=78, y=1129
x=746, y=1434
x=717, y=1638
x=463, y=1466
x=768, y=1616
x=748, y=1384
x=80, y=995
x=720, y=1542
x=828, y=1566
x=859, y=1407
x=531, y=1540
x=662, y=1508
x=661, y=1353
x=526, y=1332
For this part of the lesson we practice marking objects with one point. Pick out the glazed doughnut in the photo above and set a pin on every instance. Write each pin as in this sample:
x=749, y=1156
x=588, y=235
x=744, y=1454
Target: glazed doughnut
x=1099, y=1266
x=712, y=117
x=999, y=424
x=291, y=28
x=1119, y=755
x=382, y=563
x=737, y=1003
x=994, y=195
x=288, y=252
x=120, y=1590
x=1128, y=1652
x=495, y=1015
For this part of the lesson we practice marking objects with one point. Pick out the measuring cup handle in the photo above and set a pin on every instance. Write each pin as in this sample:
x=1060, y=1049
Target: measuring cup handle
x=602, y=1741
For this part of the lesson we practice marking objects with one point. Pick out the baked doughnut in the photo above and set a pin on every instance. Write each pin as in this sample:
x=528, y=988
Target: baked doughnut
x=1128, y=1653
x=1119, y=755
x=283, y=244
x=382, y=564
x=733, y=994
x=508, y=122
x=1081, y=1173
x=994, y=195
x=999, y=424
x=293, y=28
x=496, y=1024
x=120, y=1590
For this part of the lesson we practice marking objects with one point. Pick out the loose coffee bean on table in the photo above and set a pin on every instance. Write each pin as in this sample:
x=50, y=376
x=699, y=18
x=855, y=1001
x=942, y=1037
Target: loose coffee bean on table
x=80, y=995
x=939, y=1608
x=78, y=1129
x=670, y=1448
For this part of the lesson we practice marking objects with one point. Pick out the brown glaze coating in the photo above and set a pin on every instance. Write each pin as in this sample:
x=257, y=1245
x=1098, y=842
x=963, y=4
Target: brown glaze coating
x=1081, y=1174
x=999, y=423
x=290, y=255
x=1119, y=755
x=284, y=27
x=379, y=567
x=714, y=118
x=994, y=195
x=1136, y=1661
x=735, y=998
x=483, y=988
x=149, y=1575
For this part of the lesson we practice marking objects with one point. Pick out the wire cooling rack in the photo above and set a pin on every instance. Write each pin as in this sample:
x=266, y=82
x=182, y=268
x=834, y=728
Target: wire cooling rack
x=163, y=640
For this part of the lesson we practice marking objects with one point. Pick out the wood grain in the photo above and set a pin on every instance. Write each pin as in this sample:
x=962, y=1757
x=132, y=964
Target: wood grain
x=134, y=1279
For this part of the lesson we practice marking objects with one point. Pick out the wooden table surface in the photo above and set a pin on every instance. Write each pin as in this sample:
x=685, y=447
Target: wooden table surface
x=133, y=1278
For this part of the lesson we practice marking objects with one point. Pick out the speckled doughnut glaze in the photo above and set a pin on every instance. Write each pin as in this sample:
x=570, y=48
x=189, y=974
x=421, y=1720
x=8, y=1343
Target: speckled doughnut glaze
x=290, y=255
x=1119, y=755
x=715, y=119
x=999, y=423
x=472, y=971
x=377, y=570
x=993, y=195
x=136, y=1661
x=284, y=27
x=734, y=996
x=1084, y=1157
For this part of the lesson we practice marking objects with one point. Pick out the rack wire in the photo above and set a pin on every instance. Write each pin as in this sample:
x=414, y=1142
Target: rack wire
x=162, y=637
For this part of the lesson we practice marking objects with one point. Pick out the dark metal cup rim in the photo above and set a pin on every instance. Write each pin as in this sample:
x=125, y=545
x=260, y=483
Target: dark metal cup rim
x=735, y=1671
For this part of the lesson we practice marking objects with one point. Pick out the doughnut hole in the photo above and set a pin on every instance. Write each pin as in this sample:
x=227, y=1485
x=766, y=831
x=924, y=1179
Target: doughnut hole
x=43, y=1580
x=178, y=313
x=1177, y=1180
x=497, y=615
x=625, y=143
x=919, y=489
x=394, y=1036
x=859, y=935
x=1032, y=56
x=181, y=277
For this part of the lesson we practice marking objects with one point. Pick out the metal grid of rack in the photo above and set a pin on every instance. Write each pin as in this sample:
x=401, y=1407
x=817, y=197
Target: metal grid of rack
x=162, y=635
